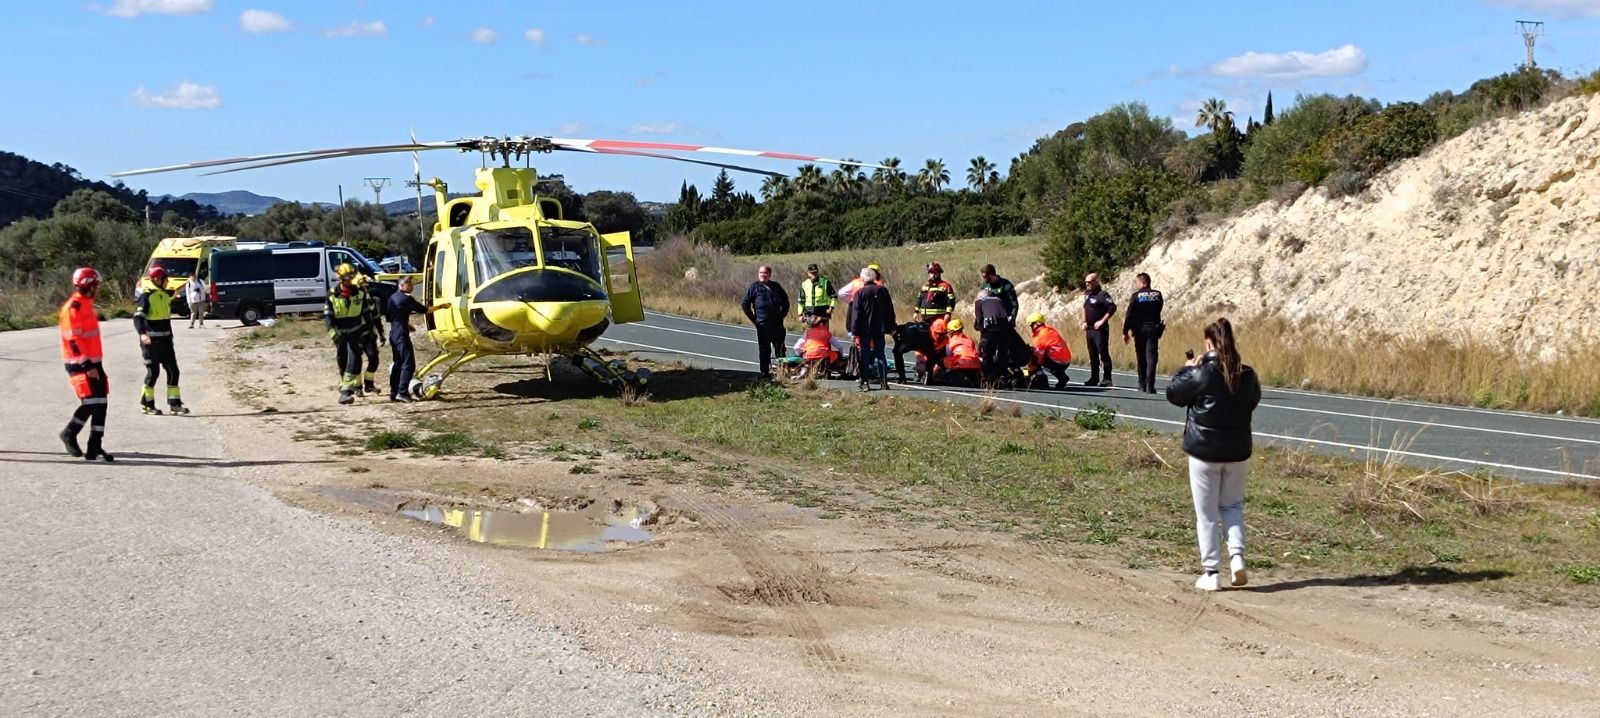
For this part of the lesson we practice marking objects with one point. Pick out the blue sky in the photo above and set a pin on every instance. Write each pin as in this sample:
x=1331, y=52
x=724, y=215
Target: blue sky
x=122, y=84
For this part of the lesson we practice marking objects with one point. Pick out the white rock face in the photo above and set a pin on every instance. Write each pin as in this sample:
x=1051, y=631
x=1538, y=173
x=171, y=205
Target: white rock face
x=1492, y=237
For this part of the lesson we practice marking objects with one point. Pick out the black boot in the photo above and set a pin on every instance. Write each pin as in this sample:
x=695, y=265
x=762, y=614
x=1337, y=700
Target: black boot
x=95, y=452
x=69, y=439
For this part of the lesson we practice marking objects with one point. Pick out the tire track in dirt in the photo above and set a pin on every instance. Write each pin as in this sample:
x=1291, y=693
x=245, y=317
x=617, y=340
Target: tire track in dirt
x=777, y=587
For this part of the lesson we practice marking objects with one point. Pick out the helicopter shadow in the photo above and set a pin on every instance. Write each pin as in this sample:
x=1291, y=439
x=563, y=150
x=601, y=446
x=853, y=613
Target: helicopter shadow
x=666, y=384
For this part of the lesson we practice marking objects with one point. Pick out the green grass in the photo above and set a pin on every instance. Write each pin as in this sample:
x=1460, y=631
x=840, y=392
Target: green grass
x=1096, y=417
x=1581, y=574
x=389, y=440
x=453, y=443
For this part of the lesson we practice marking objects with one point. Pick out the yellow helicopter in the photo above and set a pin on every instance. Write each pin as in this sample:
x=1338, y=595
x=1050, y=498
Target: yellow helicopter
x=517, y=277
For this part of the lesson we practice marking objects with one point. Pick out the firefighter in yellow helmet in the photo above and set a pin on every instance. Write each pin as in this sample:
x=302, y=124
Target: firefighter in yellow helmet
x=374, y=335
x=349, y=323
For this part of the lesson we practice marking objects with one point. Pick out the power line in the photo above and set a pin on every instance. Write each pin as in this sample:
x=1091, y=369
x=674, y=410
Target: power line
x=1531, y=30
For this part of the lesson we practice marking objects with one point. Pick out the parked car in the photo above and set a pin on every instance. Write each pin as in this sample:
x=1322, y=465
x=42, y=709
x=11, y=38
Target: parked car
x=261, y=280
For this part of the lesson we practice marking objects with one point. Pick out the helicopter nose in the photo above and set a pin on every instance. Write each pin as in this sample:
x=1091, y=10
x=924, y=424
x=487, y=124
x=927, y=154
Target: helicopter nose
x=552, y=318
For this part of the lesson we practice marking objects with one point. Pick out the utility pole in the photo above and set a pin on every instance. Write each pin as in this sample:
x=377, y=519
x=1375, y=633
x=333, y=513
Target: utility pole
x=341, y=215
x=1531, y=30
x=377, y=184
x=147, y=215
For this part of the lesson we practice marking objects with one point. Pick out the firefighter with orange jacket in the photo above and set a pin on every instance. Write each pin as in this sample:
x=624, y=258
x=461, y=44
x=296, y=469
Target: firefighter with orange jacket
x=1050, y=351
x=80, y=350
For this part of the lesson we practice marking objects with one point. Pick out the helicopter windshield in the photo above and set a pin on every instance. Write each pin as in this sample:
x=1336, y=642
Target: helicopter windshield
x=499, y=251
x=570, y=248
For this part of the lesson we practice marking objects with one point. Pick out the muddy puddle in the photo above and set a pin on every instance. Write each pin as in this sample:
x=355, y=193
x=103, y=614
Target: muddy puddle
x=589, y=531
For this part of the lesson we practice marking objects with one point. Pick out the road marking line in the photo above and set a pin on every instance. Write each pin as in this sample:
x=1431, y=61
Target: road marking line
x=1328, y=412
x=1283, y=437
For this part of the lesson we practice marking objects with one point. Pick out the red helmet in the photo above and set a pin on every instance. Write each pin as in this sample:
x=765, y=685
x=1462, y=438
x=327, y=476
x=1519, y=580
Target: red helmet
x=934, y=268
x=85, y=277
x=158, y=274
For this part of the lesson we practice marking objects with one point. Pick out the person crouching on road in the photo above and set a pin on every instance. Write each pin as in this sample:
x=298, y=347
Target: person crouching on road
x=374, y=336
x=1050, y=351
x=1143, y=325
x=766, y=304
x=348, y=322
x=962, y=363
x=80, y=350
x=398, y=311
x=1219, y=393
x=152, y=318
x=871, y=317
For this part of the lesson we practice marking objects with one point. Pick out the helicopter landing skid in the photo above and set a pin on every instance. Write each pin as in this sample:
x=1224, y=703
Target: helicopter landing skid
x=614, y=373
x=432, y=381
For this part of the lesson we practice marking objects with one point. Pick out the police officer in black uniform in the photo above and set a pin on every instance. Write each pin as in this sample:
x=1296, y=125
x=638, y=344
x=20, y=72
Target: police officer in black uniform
x=1098, y=306
x=1144, y=326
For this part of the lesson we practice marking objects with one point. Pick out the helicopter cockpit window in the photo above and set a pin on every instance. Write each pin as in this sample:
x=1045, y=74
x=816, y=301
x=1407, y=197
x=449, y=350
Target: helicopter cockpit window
x=574, y=249
x=498, y=251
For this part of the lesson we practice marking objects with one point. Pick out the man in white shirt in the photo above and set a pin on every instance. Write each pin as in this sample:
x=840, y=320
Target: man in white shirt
x=198, y=295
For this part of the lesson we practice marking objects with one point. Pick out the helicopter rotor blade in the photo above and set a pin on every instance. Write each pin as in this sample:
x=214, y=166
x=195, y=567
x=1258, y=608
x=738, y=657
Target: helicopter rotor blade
x=315, y=154
x=633, y=145
x=314, y=158
x=708, y=163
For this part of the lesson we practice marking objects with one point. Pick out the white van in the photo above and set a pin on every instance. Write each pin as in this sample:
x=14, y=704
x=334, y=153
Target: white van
x=260, y=280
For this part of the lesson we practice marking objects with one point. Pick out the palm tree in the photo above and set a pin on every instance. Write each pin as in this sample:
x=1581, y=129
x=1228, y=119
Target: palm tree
x=933, y=176
x=891, y=180
x=810, y=179
x=843, y=181
x=978, y=173
x=773, y=187
x=1214, y=115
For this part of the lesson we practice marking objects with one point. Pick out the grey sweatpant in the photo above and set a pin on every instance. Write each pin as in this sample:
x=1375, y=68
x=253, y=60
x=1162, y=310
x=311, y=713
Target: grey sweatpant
x=1218, y=489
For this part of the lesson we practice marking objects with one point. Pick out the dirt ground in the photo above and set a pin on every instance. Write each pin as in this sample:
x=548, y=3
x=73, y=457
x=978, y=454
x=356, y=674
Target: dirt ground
x=802, y=611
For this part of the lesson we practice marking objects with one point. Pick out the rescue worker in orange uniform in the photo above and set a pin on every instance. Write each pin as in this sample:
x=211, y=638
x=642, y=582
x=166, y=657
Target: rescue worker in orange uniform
x=962, y=363
x=1050, y=351
x=80, y=350
x=817, y=344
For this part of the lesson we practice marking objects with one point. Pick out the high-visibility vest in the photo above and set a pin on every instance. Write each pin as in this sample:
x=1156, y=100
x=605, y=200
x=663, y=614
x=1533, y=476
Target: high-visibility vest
x=937, y=298
x=818, y=344
x=347, y=315
x=963, y=353
x=1048, y=344
x=816, y=294
x=80, y=334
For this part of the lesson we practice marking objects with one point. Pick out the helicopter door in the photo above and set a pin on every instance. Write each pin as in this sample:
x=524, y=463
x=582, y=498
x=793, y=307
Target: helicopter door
x=622, y=279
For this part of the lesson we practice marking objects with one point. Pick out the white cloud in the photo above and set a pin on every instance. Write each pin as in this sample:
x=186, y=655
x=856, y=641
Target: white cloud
x=584, y=39
x=1294, y=65
x=484, y=36
x=256, y=22
x=186, y=96
x=1562, y=9
x=657, y=128
x=376, y=28
x=135, y=8
x=648, y=80
x=427, y=21
x=535, y=36
x=571, y=128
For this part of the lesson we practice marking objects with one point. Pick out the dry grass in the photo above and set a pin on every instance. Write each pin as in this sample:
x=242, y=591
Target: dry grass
x=1296, y=355
x=25, y=306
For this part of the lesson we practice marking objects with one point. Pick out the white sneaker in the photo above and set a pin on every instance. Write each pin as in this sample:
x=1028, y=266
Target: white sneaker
x=1209, y=582
x=1236, y=573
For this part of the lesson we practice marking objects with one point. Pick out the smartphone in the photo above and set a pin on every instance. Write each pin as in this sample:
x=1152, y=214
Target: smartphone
x=1188, y=353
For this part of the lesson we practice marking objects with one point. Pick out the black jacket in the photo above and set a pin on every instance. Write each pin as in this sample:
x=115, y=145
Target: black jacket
x=1218, y=422
x=1144, y=313
x=871, y=312
x=765, y=303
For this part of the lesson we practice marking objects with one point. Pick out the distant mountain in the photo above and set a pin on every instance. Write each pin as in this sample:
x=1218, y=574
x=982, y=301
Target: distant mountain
x=235, y=202
x=29, y=188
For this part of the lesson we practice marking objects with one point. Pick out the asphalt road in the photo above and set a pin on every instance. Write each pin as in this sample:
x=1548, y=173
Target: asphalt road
x=169, y=583
x=1533, y=447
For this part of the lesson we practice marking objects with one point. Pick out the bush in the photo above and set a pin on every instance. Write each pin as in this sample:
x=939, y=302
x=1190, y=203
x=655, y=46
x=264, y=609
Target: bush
x=1096, y=417
x=1591, y=84
x=1273, y=157
x=1106, y=224
x=387, y=440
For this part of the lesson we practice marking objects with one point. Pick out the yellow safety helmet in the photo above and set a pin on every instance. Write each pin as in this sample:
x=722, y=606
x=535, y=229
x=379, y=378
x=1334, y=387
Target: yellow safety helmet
x=1035, y=318
x=954, y=325
x=874, y=267
x=360, y=280
x=344, y=270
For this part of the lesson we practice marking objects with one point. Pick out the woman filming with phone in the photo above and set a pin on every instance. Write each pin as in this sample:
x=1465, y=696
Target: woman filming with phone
x=1220, y=393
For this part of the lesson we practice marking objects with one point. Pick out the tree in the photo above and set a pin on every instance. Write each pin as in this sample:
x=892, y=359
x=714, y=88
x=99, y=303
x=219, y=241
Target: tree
x=722, y=188
x=889, y=181
x=1107, y=223
x=614, y=211
x=93, y=204
x=1214, y=115
x=979, y=172
x=809, y=179
x=683, y=216
x=774, y=187
x=1267, y=118
x=933, y=176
